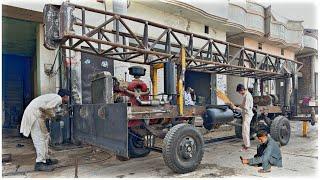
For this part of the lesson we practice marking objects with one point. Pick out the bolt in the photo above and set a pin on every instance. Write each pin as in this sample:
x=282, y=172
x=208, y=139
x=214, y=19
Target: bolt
x=189, y=149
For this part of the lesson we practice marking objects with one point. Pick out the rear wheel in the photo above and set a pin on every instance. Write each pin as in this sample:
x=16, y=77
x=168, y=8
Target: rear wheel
x=136, y=147
x=183, y=148
x=280, y=130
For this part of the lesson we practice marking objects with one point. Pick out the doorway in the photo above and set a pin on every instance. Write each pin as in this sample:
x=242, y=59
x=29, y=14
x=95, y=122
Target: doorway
x=18, y=67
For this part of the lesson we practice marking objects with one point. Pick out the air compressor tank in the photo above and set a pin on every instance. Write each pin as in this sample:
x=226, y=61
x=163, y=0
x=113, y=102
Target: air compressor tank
x=217, y=115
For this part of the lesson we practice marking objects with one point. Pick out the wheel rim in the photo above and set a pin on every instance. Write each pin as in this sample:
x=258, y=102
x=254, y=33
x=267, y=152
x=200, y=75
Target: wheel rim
x=187, y=148
x=138, y=143
x=284, y=132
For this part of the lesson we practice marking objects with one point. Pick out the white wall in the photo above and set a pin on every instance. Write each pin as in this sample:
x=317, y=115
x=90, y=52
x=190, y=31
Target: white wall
x=217, y=7
x=45, y=57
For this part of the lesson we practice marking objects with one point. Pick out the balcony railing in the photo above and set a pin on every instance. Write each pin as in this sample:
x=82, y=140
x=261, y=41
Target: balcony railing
x=248, y=17
x=254, y=18
x=310, y=41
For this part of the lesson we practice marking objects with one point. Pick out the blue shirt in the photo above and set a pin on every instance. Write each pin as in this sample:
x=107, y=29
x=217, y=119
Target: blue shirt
x=267, y=154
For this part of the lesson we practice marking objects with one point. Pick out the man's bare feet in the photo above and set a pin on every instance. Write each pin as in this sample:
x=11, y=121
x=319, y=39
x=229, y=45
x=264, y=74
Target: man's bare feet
x=244, y=149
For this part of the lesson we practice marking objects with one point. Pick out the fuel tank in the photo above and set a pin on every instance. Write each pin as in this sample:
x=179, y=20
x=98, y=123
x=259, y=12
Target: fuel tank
x=217, y=115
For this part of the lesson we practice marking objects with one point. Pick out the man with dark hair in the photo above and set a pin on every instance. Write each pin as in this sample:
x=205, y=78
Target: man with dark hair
x=34, y=120
x=268, y=153
x=247, y=114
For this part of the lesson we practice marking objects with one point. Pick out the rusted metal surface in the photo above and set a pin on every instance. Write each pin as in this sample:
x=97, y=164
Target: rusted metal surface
x=76, y=168
x=211, y=56
x=265, y=100
x=166, y=111
x=102, y=125
x=269, y=109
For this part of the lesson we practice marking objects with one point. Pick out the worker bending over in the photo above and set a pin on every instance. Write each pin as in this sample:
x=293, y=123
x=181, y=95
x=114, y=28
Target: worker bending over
x=268, y=153
x=34, y=120
x=247, y=114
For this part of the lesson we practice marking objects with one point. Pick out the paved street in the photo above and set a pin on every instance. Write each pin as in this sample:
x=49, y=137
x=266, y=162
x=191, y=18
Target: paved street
x=221, y=159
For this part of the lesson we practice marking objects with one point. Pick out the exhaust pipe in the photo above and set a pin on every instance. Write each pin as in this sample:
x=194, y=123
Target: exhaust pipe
x=154, y=102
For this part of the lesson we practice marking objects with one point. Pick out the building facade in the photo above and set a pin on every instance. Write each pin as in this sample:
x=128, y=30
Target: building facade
x=245, y=23
x=308, y=80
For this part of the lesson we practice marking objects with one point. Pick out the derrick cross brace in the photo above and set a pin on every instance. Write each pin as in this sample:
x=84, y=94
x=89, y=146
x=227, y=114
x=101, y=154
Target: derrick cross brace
x=131, y=39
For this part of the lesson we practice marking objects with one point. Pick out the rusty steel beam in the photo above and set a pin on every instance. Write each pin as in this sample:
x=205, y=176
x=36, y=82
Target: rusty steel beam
x=173, y=29
x=208, y=58
x=157, y=41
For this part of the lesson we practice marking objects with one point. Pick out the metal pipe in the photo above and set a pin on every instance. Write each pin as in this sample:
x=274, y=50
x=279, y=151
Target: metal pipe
x=147, y=112
x=90, y=52
x=60, y=67
x=255, y=87
x=294, y=104
x=154, y=78
x=149, y=102
x=83, y=21
x=70, y=90
x=261, y=87
x=181, y=79
x=286, y=93
x=76, y=168
x=119, y=45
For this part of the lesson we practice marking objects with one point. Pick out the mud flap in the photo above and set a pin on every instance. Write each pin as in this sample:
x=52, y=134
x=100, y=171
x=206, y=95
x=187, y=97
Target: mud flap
x=102, y=125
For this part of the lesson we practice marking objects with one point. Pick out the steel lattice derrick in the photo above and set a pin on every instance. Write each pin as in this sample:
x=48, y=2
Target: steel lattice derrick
x=130, y=39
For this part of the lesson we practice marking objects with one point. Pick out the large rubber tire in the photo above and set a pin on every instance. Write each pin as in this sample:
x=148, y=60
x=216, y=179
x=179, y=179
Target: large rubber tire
x=183, y=148
x=280, y=130
x=238, y=129
x=136, y=146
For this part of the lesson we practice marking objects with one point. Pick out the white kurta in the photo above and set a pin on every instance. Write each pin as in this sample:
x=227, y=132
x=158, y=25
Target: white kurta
x=32, y=112
x=247, y=114
x=188, y=99
x=33, y=123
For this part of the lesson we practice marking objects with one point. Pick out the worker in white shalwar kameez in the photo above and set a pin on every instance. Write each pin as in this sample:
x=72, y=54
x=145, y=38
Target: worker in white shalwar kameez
x=34, y=120
x=187, y=97
x=247, y=114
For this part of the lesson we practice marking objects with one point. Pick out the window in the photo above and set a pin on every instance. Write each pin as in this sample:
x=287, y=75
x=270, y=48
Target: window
x=260, y=46
x=282, y=52
x=206, y=29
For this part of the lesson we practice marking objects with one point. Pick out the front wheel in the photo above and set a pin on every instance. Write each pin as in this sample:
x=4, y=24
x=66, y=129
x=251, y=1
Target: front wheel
x=183, y=148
